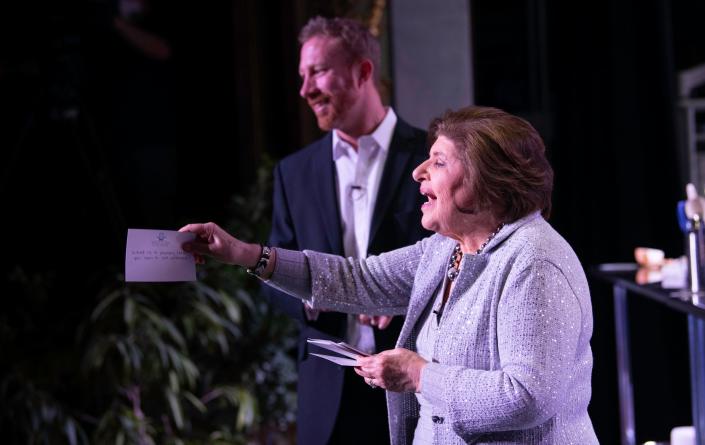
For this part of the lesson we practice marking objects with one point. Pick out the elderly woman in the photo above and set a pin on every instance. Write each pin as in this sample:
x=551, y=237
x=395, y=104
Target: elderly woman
x=495, y=347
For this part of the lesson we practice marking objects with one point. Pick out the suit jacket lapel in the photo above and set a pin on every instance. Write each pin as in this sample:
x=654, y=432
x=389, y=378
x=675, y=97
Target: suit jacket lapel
x=394, y=170
x=324, y=193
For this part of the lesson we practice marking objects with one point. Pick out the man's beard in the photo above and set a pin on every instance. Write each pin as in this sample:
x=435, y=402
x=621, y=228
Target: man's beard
x=335, y=110
x=327, y=121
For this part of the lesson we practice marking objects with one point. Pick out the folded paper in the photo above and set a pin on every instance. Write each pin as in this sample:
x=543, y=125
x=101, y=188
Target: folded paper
x=342, y=361
x=349, y=353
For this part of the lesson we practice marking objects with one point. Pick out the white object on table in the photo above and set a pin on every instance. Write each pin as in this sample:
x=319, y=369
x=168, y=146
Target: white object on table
x=683, y=435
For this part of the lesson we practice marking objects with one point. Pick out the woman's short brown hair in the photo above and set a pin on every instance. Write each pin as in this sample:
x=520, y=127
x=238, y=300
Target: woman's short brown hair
x=505, y=158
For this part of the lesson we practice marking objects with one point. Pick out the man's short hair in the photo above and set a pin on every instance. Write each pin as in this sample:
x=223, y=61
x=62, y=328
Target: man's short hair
x=504, y=158
x=354, y=36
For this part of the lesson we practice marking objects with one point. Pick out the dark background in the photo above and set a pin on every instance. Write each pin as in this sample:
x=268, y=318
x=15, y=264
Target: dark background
x=598, y=79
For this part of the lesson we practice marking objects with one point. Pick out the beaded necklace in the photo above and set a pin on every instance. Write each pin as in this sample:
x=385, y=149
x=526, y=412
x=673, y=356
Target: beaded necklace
x=457, y=256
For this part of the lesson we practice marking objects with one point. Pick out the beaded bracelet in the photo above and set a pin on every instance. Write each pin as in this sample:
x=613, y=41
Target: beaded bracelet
x=262, y=262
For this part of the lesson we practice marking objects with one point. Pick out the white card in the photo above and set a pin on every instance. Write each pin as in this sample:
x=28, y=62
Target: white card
x=157, y=256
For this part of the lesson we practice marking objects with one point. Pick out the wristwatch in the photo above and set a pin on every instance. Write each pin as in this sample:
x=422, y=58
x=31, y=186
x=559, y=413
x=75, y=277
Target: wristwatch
x=262, y=262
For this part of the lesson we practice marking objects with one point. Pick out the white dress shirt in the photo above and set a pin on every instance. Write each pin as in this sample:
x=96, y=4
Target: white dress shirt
x=358, y=174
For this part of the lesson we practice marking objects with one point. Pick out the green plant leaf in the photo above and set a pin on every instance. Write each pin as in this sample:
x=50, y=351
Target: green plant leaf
x=175, y=406
x=129, y=312
x=246, y=410
x=70, y=431
x=231, y=309
x=122, y=348
x=207, y=291
x=135, y=356
x=96, y=352
x=105, y=302
x=222, y=342
x=173, y=381
x=163, y=324
x=191, y=371
x=196, y=402
x=157, y=342
x=209, y=314
x=246, y=298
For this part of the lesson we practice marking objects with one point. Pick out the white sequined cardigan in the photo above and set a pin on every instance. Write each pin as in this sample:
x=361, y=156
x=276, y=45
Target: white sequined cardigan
x=512, y=360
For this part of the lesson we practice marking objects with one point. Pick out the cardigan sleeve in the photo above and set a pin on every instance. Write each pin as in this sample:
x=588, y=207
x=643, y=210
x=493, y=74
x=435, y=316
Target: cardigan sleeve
x=539, y=322
x=377, y=285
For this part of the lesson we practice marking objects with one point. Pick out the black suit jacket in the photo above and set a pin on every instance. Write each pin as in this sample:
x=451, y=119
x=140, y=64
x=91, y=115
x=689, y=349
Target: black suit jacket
x=306, y=216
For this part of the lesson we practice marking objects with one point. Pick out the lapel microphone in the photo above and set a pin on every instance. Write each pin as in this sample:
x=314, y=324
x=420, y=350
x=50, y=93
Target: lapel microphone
x=438, y=314
x=356, y=191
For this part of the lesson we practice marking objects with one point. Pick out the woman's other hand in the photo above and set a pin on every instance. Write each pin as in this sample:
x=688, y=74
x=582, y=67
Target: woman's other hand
x=378, y=321
x=397, y=370
x=211, y=240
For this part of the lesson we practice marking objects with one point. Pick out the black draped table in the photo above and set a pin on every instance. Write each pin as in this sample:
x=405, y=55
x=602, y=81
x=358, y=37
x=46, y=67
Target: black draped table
x=622, y=278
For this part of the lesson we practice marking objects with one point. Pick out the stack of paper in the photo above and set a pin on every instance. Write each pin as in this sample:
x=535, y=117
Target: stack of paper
x=341, y=348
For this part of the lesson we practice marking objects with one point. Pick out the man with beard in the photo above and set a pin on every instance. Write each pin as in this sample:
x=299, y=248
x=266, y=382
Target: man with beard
x=349, y=193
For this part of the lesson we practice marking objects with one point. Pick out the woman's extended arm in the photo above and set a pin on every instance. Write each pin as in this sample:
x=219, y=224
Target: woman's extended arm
x=378, y=285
